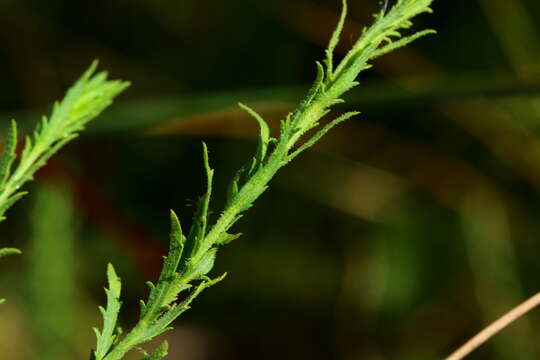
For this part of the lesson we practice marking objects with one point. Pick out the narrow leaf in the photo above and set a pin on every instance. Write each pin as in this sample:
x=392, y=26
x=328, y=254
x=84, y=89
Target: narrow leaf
x=401, y=43
x=309, y=143
x=264, y=136
x=9, y=251
x=334, y=41
x=312, y=93
x=107, y=337
x=9, y=154
x=198, y=228
x=226, y=238
x=176, y=247
x=233, y=189
x=4, y=206
x=160, y=352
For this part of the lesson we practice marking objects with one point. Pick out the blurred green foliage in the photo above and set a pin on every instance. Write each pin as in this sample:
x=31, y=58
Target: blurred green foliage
x=419, y=223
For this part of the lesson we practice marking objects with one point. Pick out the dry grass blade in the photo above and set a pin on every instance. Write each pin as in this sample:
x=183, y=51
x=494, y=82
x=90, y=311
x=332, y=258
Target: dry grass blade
x=495, y=328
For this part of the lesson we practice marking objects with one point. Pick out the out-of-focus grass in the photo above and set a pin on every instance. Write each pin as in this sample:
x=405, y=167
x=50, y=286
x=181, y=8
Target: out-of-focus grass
x=161, y=115
x=420, y=218
x=52, y=276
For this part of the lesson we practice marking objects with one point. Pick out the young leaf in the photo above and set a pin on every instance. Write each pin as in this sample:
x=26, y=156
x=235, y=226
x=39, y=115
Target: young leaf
x=9, y=154
x=226, y=238
x=264, y=137
x=9, y=251
x=401, y=43
x=198, y=228
x=309, y=143
x=160, y=352
x=9, y=202
x=107, y=337
x=176, y=247
x=334, y=41
x=169, y=284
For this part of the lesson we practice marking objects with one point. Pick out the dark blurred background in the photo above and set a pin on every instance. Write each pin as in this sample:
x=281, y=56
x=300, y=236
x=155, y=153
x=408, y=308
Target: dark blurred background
x=399, y=236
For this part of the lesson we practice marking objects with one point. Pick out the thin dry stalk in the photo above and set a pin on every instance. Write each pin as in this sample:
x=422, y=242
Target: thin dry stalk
x=495, y=327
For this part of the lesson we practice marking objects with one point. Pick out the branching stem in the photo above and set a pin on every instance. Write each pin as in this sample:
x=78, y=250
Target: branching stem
x=186, y=267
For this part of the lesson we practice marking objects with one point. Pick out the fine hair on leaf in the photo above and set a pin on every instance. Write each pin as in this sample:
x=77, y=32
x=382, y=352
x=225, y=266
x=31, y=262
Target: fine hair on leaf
x=187, y=266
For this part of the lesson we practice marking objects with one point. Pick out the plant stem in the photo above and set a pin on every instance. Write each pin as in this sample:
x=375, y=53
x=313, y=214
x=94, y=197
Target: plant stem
x=191, y=259
x=247, y=195
x=19, y=176
x=131, y=340
x=251, y=190
x=495, y=328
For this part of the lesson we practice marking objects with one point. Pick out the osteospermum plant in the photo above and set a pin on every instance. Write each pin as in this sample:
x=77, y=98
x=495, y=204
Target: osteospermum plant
x=191, y=256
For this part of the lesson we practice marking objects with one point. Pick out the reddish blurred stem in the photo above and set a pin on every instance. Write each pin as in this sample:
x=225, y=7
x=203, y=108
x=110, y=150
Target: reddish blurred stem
x=495, y=327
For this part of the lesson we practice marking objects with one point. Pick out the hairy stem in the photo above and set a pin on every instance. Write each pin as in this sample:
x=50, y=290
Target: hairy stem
x=186, y=269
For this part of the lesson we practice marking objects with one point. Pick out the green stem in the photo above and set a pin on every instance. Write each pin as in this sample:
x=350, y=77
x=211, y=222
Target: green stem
x=19, y=176
x=251, y=190
x=132, y=339
x=247, y=195
x=180, y=269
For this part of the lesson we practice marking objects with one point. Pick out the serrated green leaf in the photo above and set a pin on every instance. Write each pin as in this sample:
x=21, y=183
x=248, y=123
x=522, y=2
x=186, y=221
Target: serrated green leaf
x=8, y=155
x=161, y=325
x=252, y=180
x=107, y=337
x=86, y=99
x=169, y=284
